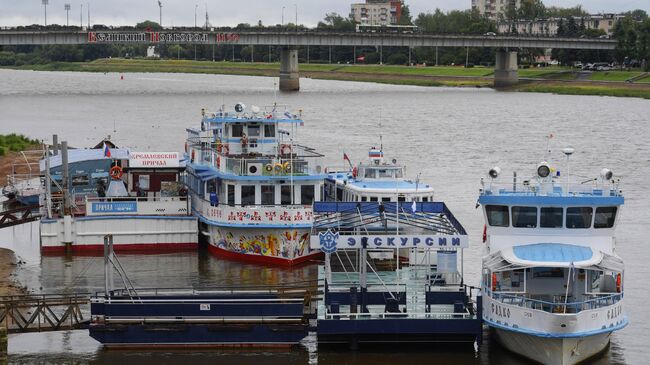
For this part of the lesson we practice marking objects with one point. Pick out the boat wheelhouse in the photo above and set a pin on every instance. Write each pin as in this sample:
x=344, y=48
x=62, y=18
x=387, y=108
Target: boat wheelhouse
x=136, y=196
x=253, y=185
x=376, y=181
x=552, y=281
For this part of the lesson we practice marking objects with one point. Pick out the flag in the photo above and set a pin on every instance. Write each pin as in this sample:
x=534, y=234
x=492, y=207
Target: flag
x=414, y=206
x=345, y=157
x=107, y=151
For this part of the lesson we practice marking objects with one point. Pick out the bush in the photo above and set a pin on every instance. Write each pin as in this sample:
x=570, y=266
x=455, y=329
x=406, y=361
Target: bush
x=397, y=59
x=3, y=151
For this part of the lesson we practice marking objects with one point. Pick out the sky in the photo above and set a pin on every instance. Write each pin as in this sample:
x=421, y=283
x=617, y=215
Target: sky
x=230, y=13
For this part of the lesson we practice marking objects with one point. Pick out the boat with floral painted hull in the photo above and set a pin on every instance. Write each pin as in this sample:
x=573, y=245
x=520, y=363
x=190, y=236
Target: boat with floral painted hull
x=253, y=184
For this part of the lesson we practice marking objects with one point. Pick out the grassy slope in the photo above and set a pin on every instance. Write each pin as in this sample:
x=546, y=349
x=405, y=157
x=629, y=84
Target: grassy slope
x=402, y=75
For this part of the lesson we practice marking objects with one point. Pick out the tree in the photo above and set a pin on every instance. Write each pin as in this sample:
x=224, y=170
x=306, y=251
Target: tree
x=405, y=18
x=148, y=24
x=531, y=9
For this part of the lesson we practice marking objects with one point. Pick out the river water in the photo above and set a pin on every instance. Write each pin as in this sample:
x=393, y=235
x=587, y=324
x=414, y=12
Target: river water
x=452, y=136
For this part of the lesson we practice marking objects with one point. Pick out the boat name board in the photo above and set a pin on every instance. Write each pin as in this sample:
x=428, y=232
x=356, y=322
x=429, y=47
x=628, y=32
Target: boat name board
x=329, y=241
x=114, y=207
x=260, y=215
x=154, y=159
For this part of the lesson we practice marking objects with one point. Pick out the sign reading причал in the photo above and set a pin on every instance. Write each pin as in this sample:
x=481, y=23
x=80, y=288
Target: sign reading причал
x=154, y=159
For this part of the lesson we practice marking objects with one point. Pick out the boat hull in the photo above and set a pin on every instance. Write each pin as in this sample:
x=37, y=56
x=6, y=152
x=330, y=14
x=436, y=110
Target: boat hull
x=135, y=234
x=553, y=351
x=284, y=246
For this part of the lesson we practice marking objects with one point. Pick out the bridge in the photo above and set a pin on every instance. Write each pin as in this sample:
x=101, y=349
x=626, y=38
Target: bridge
x=505, y=67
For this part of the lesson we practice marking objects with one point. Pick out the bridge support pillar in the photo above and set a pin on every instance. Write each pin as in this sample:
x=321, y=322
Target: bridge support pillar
x=289, y=77
x=505, y=69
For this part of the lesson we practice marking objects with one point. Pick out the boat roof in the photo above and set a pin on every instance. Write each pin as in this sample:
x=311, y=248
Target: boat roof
x=550, y=254
x=589, y=199
x=255, y=119
x=378, y=184
x=204, y=173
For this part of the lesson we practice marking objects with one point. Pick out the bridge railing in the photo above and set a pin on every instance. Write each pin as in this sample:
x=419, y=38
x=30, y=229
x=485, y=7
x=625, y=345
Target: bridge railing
x=44, y=312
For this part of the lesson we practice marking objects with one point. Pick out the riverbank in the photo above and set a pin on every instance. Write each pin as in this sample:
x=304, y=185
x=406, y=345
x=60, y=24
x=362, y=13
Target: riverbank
x=560, y=80
x=8, y=265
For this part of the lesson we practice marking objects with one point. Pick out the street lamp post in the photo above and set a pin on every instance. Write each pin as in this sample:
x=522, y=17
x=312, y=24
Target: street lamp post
x=67, y=14
x=283, y=17
x=160, y=6
x=196, y=6
x=296, y=5
x=45, y=2
x=81, y=17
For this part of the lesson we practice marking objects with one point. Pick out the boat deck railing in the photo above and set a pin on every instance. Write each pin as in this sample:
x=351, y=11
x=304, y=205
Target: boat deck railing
x=559, y=306
x=556, y=187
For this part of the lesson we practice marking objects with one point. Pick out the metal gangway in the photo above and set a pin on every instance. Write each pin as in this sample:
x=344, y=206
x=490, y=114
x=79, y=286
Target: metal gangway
x=44, y=312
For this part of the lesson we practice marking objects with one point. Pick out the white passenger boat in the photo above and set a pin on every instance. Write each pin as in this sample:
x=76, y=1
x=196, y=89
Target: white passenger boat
x=137, y=197
x=253, y=185
x=552, y=281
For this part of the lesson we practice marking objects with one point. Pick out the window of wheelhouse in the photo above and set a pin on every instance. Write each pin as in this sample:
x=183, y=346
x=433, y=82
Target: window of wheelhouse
x=237, y=130
x=373, y=198
x=425, y=199
x=307, y=194
x=268, y=194
x=579, y=217
x=248, y=195
x=605, y=217
x=363, y=198
x=524, y=217
x=385, y=199
x=285, y=194
x=551, y=217
x=369, y=173
x=231, y=195
x=497, y=215
x=339, y=194
x=269, y=130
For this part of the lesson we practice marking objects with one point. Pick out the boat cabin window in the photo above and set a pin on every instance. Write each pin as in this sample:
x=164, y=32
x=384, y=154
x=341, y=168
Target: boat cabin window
x=497, y=215
x=269, y=130
x=386, y=173
x=285, y=194
x=401, y=199
x=369, y=173
x=524, y=217
x=339, y=194
x=605, y=217
x=268, y=194
x=363, y=199
x=579, y=217
x=373, y=198
x=307, y=194
x=551, y=217
x=237, y=130
x=253, y=131
x=231, y=195
x=385, y=199
x=425, y=199
x=248, y=195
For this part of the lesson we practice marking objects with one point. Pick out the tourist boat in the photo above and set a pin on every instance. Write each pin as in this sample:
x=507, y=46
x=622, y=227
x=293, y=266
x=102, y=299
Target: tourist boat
x=376, y=181
x=253, y=185
x=138, y=197
x=552, y=282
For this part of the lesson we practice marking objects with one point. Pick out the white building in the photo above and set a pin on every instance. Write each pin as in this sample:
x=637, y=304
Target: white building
x=493, y=8
x=376, y=12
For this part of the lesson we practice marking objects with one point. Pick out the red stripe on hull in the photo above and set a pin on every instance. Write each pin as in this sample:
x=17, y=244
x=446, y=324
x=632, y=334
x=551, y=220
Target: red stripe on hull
x=139, y=248
x=260, y=259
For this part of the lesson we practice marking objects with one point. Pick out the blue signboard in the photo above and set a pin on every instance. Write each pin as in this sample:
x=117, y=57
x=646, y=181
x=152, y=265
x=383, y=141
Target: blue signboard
x=329, y=242
x=115, y=207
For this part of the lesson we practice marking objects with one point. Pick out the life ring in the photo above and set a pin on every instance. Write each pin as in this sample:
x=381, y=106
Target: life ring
x=618, y=282
x=268, y=167
x=355, y=172
x=286, y=167
x=218, y=162
x=494, y=282
x=219, y=147
x=116, y=172
x=278, y=167
x=285, y=149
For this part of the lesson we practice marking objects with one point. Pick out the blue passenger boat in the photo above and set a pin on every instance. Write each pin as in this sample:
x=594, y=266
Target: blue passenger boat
x=552, y=279
x=253, y=185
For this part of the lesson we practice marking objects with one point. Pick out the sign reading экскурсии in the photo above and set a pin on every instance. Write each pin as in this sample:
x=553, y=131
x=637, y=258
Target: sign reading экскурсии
x=330, y=241
x=154, y=159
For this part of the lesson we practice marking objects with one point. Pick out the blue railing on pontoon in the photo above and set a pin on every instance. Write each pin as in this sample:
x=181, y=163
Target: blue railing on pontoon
x=558, y=307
